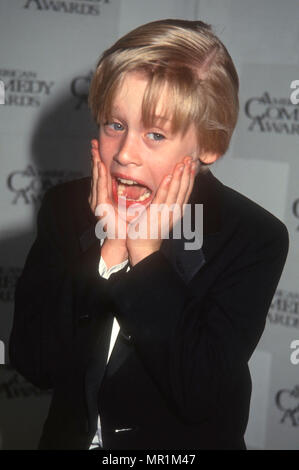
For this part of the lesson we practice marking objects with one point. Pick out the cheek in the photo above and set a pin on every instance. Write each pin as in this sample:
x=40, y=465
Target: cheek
x=168, y=164
x=160, y=171
x=107, y=150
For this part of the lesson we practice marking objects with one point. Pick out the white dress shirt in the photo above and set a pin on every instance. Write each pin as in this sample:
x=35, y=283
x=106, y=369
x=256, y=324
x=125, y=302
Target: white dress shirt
x=105, y=272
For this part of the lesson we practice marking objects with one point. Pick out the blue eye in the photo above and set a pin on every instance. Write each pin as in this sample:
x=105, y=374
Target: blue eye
x=156, y=136
x=116, y=126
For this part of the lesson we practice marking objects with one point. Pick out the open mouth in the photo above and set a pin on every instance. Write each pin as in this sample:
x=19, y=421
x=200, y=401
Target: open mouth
x=130, y=190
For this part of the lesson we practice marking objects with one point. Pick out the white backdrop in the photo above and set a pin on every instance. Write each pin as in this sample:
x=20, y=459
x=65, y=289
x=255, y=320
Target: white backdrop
x=48, y=50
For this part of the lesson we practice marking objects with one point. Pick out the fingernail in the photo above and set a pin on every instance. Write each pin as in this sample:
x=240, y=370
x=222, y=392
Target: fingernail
x=181, y=168
x=168, y=178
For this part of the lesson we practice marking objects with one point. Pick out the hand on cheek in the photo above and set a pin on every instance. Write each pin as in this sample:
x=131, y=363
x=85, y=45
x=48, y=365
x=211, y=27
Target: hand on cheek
x=174, y=189
x=99, y=196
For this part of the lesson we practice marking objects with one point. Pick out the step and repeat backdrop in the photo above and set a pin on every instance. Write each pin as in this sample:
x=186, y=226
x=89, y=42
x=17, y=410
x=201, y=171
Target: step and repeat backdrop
x=48, y=51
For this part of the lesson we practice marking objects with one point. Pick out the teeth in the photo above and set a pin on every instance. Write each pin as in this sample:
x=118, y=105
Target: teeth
x=121, y=189
x=144, y=196
x=122, y=180
x=120, y=192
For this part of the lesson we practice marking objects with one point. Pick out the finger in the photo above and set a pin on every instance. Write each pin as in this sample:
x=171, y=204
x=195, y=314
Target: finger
x=162, y=192
x=95, y=150
x=94, y=157
x=98, y=165
x=102, y=186
x=100, y=189
x=100, y=183
x=177, y=197
x=95, y=175
x=159, y=199
x=94, y=143
x=175, y=184
x=194, y=166
x=94, y=181
x=92, y=196
x=167, y=191
x=185, y=181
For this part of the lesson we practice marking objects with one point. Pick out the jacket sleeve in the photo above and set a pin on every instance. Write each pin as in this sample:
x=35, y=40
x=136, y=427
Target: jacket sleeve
x=194, y=341
x=42, y=313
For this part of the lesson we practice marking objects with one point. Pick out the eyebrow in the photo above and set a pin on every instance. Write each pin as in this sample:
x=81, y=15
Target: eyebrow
x=156, y=117
x=158, y=120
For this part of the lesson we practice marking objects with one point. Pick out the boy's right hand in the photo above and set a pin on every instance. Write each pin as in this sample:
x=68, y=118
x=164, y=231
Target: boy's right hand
x=99, y=195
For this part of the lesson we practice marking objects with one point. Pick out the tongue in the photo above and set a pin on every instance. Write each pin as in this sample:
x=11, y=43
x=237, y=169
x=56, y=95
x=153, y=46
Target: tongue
x=133, y=192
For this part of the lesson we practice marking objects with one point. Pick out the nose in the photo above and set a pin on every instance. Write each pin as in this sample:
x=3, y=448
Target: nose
x=129, y=150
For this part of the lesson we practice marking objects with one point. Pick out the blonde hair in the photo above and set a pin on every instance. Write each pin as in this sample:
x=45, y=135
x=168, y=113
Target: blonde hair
x=202, y=82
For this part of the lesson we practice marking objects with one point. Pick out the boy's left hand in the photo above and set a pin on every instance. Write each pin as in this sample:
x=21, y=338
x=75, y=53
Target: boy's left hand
x=174, y=189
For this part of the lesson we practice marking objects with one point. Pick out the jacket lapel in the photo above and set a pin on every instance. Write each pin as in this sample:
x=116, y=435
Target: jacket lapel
x=187, y=262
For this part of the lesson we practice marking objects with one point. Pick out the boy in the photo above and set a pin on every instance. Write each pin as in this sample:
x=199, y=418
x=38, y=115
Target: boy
x=155, y=356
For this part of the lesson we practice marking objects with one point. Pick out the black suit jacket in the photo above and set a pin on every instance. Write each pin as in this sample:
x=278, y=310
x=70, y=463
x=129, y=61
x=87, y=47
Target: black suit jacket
x=178, y=376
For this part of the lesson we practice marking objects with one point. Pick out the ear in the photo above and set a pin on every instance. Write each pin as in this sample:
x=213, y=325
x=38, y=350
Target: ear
x=208, y=157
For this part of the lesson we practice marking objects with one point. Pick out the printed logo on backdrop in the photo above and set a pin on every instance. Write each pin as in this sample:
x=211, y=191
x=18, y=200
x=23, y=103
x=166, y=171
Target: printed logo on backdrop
x=294, y=356
x=79, y=7
x=284, y=309
x=25, y=88
x=29, y=185
x=80, y=88
x=14, y=385
x=268, y=124
x=8, y=279
x=287, y=401
x=294, y=94
x=272, y=114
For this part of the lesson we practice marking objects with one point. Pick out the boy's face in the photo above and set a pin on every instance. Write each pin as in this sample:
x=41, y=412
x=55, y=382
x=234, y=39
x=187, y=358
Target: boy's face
x=133, y=152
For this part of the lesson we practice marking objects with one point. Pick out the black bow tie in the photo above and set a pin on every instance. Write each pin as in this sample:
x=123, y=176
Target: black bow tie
x=117, y=276
x=110, y=282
